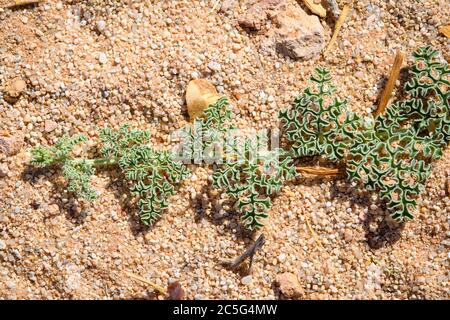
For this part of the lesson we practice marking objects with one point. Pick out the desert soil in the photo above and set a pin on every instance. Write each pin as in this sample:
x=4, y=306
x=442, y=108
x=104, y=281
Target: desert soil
x=97, y=63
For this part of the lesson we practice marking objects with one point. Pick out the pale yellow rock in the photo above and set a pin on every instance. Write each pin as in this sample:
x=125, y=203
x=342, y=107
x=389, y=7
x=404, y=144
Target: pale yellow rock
x=199, y=95
x=316, y=8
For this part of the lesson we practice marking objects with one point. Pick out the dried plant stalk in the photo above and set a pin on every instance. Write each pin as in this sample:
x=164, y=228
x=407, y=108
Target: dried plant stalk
x=320, y=171
x=17, y=3
x=316, y=8
x=395, y=72
x=249, y=253
x=337, y=28
x=151, y=284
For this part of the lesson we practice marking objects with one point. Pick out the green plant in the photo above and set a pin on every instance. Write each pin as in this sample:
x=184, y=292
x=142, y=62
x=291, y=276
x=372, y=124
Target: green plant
x=251, y=174
x=391, y=153
x=153, y=173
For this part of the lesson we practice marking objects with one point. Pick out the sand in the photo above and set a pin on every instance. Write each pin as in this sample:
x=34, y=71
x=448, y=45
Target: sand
x=130, y=62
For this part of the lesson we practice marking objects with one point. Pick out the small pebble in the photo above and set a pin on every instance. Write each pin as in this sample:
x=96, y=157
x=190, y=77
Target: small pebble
x=4, y=170
x=32, y=276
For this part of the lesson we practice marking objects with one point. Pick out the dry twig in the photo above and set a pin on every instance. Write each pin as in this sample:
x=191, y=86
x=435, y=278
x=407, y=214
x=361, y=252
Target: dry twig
x=313, y=233
x=319, y=171
x=445, y=30
x=151, y=284
x=316, y=8
x=395, y=72
x=215, y=6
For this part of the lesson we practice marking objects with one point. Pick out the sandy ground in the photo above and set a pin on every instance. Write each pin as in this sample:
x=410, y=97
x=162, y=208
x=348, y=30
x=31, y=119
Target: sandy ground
x=135, y=70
